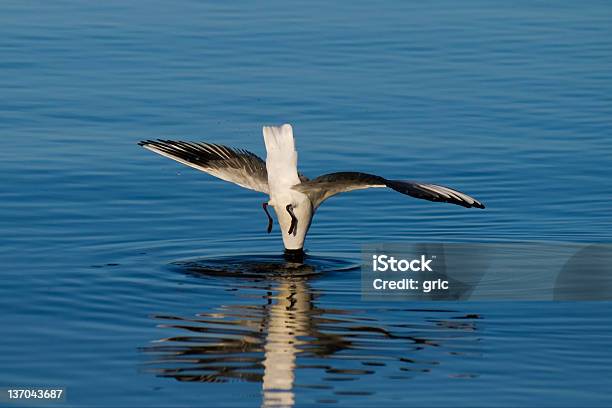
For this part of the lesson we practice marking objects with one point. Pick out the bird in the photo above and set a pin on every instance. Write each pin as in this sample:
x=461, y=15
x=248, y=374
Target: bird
x=294, y=197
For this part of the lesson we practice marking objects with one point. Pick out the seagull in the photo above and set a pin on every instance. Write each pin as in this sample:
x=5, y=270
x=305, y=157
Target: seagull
x=293, y=196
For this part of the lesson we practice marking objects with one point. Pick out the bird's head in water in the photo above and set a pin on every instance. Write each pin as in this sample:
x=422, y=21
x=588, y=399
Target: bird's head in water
x=294, y=255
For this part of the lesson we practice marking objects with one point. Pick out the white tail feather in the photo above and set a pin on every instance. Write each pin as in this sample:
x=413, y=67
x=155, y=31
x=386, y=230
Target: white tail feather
x=281, y=161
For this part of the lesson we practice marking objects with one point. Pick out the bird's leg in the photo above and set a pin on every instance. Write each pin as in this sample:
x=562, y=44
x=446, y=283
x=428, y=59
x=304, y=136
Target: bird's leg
x=294, y=220
x=265, y=207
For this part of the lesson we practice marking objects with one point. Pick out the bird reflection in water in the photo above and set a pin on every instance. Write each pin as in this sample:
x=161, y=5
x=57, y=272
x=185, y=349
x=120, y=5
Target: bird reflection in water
x=262, y=342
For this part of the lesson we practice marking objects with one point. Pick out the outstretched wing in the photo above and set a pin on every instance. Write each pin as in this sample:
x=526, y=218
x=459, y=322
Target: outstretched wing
x=234, y=165
x=327, y=185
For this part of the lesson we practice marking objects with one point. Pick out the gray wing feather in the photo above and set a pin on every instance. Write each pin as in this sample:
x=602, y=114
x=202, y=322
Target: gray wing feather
x=237, y=166
x=327, y=185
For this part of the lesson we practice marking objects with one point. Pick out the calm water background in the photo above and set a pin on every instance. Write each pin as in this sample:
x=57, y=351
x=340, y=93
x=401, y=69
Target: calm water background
x=509, y=102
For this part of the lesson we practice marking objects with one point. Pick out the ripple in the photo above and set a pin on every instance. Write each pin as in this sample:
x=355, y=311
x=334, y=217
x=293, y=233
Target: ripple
x=262, y=266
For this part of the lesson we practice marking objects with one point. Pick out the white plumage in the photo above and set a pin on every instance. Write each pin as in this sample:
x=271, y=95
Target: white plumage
x=281, y=159
x=281, y=164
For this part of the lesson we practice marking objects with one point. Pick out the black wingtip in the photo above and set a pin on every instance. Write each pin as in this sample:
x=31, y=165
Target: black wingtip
x=475, y=204
x=417, y=190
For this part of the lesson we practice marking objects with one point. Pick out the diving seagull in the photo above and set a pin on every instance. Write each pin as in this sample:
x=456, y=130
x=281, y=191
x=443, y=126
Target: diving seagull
x=293, y=196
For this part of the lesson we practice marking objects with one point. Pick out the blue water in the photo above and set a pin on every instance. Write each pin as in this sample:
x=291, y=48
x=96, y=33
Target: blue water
x=508, y=102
